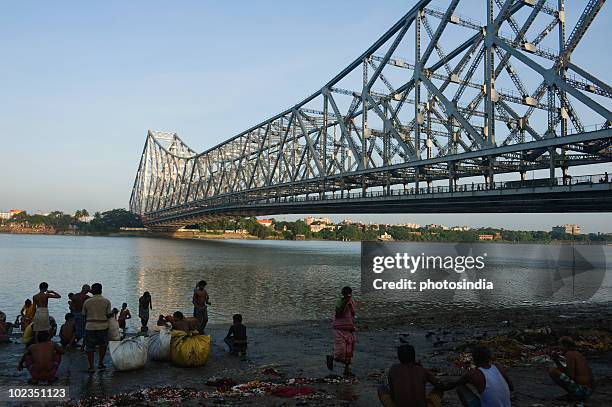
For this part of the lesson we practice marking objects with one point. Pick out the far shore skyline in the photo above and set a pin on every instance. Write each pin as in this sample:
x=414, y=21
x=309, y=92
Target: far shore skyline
x=588, y=222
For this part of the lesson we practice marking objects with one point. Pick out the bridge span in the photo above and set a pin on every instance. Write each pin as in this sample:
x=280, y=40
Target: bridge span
x=442, y=114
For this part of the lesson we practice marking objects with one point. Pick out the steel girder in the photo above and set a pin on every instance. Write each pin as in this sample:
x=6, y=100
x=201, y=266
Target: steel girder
x=471, y=113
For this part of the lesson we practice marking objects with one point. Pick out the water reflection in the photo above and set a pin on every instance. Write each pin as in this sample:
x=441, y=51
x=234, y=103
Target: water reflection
x=266, y=281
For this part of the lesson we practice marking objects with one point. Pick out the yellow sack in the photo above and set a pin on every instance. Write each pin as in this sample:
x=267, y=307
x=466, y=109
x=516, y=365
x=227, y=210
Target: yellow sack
x=28, y=335
x=189, y=349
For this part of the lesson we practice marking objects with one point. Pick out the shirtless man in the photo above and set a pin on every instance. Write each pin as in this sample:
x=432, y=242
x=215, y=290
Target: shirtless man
x=200, y=305
x=181, y=323
x=42, y=359
x=407, y=381
x=77, y=302
x=41, y=301
x=576, y=377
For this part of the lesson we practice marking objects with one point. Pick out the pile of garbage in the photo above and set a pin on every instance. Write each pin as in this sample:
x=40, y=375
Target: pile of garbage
x=298, y=388
x=169, y=395
x=532, y=346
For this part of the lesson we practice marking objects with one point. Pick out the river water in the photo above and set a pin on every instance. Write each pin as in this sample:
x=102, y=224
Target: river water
x=266, y=281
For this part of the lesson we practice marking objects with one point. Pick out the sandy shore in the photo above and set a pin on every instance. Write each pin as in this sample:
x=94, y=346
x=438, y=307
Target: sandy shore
x=278, y=353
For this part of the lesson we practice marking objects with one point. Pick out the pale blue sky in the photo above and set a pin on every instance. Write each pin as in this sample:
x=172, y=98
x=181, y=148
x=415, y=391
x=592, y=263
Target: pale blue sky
x=83, y=81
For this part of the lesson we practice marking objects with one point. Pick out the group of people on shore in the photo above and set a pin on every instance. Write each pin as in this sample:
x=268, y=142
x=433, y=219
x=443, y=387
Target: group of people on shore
x=407, y=380
x=92, y=320
x=91, y=323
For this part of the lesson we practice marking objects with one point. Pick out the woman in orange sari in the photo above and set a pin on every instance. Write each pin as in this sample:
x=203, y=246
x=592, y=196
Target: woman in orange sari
x=344, y=332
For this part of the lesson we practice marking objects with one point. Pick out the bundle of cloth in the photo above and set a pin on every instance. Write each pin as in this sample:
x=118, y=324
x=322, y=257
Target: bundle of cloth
x=189, y=349
x=130, y=353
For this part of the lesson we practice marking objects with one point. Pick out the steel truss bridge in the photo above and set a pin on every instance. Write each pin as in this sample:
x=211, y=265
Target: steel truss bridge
x=442, y=113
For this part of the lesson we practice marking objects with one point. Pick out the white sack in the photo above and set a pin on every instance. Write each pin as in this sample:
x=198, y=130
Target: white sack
x=130, y=353
x=159, y=345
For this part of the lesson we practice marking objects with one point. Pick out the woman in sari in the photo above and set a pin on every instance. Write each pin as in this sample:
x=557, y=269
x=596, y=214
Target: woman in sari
x=344, y=332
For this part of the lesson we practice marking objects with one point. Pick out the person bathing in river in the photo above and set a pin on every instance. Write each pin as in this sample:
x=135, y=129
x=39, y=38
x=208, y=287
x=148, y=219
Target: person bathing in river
x=344, y=332
x=576, y=378
x=42, y=359
x=27, y=314
x=144, y=305
x=124, y=315
x=201, y=301
x=491, y=382
x=407, y=381
x=41, y=301
x=76, y=303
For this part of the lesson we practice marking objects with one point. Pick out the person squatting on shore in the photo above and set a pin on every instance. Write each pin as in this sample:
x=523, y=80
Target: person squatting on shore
x=42, y=359
x=68, y=332
x=236, y=338
x=201, y=301
x=576, y=378
x=491, y=382
x=97, y=311
x=41, y=301
x=407, y=381
x=144, y=305
x=343, y=326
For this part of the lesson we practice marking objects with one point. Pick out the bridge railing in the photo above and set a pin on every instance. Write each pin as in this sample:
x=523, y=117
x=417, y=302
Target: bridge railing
x=460, y=188
x=430, y=191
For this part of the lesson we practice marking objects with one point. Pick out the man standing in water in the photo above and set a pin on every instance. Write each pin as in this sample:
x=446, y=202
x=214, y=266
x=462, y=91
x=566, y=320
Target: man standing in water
x=78, y=300
x=200, y=305
x=97, y=311
x=41, y=301
x=144, y=305
x=344, y=332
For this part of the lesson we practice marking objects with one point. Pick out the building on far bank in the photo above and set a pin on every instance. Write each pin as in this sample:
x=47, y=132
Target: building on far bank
x=435, y=226
x=496, y=236
x=265, y=222
x=86, y=219
x=315, y=228
x=10, y=214
x=570, y=229
x=460, y=228
x=410, y=225
x=310, y=220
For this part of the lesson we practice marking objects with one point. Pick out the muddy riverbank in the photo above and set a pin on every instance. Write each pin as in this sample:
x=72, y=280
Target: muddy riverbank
x=282, y=352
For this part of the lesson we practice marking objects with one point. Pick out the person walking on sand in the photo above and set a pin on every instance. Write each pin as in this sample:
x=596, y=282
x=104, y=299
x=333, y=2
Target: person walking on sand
x=344, y=332
x=144, y=305
x=491, y=382
x=201, y=301
x=97, y=311
x=77, y=302
x=576, y=378
x=407, y=381
x=41, y=301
